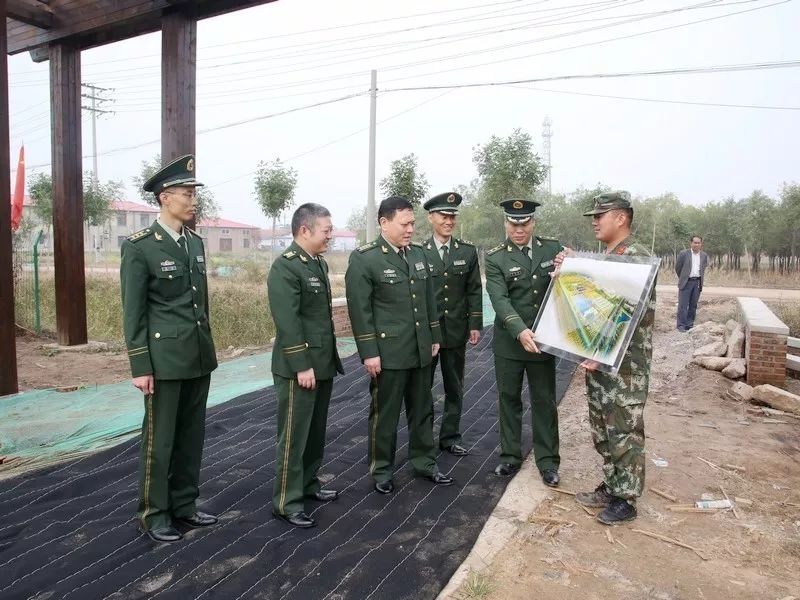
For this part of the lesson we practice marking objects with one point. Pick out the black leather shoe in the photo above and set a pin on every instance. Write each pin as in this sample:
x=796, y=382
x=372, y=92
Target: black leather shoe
x=440, y=478
x=324, y=495
x=505, y=469
x=198, y=519
x=298, y=519
x=618, y=511
x=456, y=450
x=164, y=534
x=550, y=477
x=384, y=487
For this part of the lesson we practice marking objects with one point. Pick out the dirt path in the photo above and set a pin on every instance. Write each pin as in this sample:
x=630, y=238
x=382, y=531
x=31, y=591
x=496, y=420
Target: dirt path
x=754, y=556
x=732, y=292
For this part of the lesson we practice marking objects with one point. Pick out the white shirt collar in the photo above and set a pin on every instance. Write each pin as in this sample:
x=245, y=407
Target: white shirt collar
x=172, y=233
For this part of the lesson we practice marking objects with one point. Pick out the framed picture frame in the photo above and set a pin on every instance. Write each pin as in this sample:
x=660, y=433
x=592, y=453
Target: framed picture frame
x=592, y=307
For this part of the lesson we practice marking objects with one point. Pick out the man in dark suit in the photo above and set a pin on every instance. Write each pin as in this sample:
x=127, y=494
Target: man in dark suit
x=690, y=268
x=459, y=301
x=304, y=363
x=392, y=310
x=165, y=319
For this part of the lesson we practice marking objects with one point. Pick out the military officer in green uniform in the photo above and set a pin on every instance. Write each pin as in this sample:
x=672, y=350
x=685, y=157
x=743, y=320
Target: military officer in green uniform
x=392, y=310
x=304, y=363
x=459, y=305
x=517, y=276
x=171, y=352
x=616, y=402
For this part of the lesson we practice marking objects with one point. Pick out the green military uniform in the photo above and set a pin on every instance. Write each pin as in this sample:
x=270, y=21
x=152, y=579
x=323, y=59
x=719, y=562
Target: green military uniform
x=616, y=403
x=459, y=306
x=516, y=283
x=167, y=334
x=300, y=301
x=392, y=310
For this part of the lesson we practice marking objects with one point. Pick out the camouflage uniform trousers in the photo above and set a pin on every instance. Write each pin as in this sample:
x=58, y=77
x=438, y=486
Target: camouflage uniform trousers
x=616, y=418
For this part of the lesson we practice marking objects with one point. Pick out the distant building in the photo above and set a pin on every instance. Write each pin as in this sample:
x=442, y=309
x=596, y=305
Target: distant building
x=344, y=240
x=223, y=236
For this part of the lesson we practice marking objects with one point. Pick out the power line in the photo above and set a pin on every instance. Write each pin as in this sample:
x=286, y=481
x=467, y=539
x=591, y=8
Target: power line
x=658, y=100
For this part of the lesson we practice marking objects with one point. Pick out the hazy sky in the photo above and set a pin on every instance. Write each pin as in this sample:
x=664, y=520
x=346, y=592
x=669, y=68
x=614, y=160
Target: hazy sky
x=294, y=53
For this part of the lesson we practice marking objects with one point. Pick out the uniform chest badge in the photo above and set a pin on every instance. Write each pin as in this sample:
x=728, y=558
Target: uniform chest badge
x=546, y=264
x=419, y=266
x=200, y=258
x=389, y=272
x=515, y=270
x=459, y=262
x=430, y=266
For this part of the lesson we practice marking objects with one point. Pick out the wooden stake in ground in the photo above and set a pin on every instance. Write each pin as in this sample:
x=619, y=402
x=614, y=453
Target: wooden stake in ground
x=560, y=491
x=669, y=540
x=709, y=463
x=733, y=506
x=538, y=519
x=609, y=537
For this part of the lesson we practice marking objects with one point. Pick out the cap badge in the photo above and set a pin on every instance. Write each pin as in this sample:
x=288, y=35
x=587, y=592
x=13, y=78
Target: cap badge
x=190, y=165
x=451, y=198
x=517, y=204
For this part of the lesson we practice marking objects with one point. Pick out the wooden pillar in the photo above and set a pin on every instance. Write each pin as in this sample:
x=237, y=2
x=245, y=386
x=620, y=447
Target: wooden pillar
x=70, y=277
x=8, y=344
x=178, y=82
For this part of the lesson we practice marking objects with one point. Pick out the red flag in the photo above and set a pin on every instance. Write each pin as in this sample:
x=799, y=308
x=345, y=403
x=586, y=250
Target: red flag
x=19, y=192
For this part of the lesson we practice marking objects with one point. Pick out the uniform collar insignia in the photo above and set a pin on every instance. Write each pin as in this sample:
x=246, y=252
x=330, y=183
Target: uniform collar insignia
x=385, y=249
x=158, y=236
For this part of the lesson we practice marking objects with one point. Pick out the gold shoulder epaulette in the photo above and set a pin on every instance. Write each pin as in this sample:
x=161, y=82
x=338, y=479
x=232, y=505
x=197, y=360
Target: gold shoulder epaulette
x=367, y=246
x=417, y=244
x=548, y=239
x=465, y=242
x=495, y=249
x=140, y=235
x=290, y=254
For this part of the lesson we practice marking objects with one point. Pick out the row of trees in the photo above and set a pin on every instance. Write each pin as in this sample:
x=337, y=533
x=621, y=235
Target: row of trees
x=738, y=233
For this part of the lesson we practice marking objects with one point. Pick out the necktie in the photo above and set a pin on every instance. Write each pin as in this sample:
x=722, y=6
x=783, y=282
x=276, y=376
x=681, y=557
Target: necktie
x=182, y=244
x=402, y=253
x=445, y=254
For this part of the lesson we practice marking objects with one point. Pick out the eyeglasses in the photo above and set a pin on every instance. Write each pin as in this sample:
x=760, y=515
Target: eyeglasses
x=186, y=195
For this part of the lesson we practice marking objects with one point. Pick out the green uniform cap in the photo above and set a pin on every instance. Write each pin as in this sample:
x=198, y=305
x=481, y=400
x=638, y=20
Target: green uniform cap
x=178, y=172
x=519, y=211
x=446, y=203
x=607, y=201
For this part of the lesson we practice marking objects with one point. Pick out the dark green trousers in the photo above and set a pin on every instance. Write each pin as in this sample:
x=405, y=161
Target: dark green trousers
x=452, y=361
x=389, y=391
x=544, y=413
x=302, y=418
x=173, y=432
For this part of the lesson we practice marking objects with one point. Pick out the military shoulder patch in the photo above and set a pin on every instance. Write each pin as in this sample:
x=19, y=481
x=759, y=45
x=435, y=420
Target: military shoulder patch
x=367, y=246
x=140, y=235
x=465, y=242
x=417, y=244
x=547, y=239
x=495, y=249
x=290, y=254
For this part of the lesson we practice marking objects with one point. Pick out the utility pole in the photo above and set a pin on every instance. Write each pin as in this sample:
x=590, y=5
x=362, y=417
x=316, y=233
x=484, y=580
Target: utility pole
x=547, y=134
x=373, y=107
x=95, y=94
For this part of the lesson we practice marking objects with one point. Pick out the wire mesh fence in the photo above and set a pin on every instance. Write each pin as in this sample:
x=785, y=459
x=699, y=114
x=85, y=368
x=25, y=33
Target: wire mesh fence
x=27, y=293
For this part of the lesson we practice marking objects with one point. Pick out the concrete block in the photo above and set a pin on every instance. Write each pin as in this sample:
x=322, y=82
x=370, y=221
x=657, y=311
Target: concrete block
x=736, y=369
x=777, y=398
x=742, y=390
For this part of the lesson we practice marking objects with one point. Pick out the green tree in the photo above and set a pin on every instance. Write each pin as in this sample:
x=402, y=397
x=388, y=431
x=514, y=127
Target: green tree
x=357, y=221
x=97, y=198
x=405, y=180
x=508, y=167
x=274, y=189
x=207, y=207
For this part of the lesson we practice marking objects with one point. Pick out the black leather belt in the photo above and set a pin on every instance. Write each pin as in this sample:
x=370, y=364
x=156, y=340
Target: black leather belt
x=694, y=278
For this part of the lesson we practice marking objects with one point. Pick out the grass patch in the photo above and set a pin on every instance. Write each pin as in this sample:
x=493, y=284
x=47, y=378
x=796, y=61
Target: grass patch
x=477, y=586
x=789, y=313
x=729, y=278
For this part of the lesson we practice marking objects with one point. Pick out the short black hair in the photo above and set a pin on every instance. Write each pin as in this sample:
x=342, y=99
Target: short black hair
x=391, y=205
x=158, y=197
x=699, y=237
x=307, y=214
x=628, y=212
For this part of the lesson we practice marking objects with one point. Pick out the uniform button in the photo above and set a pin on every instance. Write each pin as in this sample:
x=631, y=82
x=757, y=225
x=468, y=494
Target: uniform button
x=445, y=299
x=170, y=276
x=157, y=335
x=198, y=322
x=417, y=323
x=194, y=289
x=534, y=276
x=195, y=305
x=535, y=291
x=535, y=306
x=412, y=281
x=413, y=295
x=515, y=278
x=445, y=287
x=445, y=312
x=415, y=309
x=306, y=344
x=445, y=274
x=383, y=335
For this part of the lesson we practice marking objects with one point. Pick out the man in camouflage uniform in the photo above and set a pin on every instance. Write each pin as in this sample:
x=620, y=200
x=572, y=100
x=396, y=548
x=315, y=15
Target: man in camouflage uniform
x=459, y=301
x=616, y=402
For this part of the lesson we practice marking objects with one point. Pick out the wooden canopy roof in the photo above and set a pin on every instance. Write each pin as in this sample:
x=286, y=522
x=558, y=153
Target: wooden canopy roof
x=33, y=24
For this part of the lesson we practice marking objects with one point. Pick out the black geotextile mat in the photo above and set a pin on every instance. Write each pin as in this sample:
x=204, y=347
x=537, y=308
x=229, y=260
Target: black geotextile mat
x=68, y=532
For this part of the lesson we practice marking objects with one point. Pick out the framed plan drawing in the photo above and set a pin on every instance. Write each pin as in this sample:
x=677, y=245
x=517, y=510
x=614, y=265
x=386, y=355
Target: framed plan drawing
x=593, y=306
